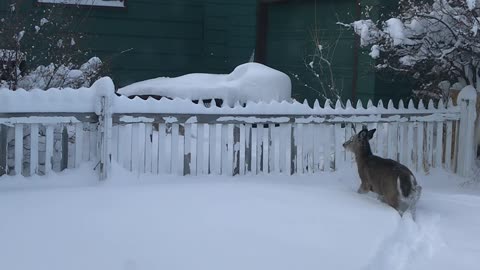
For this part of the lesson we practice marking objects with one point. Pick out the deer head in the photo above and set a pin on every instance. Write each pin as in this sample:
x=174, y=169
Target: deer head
x=359, y=142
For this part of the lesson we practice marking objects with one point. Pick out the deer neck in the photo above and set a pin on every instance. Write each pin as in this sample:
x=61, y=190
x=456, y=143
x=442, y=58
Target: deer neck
x=363, y=154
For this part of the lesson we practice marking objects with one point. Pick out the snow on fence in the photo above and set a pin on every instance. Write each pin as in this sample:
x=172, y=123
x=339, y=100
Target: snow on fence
x=56, y=129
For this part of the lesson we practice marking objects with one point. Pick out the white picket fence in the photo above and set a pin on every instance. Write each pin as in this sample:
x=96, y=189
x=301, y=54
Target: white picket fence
x=50, y=130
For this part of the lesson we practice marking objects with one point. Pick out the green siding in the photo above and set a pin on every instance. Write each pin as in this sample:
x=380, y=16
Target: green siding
x=154, y=38
x=290, y=43
x=171, y=38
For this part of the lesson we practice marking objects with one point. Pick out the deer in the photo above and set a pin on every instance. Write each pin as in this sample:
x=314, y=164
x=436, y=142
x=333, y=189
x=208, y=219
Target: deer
x=393, y=182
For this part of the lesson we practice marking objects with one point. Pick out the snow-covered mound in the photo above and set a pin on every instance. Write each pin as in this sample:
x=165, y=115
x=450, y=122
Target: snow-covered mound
x=248, y=82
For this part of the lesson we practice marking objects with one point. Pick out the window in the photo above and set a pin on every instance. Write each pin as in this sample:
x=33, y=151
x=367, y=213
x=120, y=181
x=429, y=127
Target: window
x=98, y=3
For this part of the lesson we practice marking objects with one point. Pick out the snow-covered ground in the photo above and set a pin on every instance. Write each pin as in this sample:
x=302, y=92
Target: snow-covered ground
x=70, y=221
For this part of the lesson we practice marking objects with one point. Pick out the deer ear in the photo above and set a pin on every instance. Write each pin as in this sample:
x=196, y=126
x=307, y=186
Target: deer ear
x=363, y=133
x=370, y=133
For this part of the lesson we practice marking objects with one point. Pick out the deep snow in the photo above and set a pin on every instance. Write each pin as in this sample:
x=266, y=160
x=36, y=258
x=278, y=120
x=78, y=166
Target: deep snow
x=71, y=221
x=247, y=82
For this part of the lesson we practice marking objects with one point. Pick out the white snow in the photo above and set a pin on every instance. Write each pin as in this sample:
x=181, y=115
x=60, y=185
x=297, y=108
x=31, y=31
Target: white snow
x=362, y=28
x=43, y=21
x=84, y=100
x=375, y=52
x=394, y=27
x=80, y=100
x=71, y=221
x=11, y=55
x=248, y=82
x=471, y=4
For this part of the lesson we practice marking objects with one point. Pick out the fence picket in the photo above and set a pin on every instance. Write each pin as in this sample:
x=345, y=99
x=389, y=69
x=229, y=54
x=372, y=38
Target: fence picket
x=265, y=149
x=164, y=149
x=317, y=145
x=135, y=144
x=205, y=149
x=339, y=140
x=193, y=148
x=299, y=147
x=217, y=165
x=276, y=133
x=187, y=153
x=79, y=144
x=380, y=145
x=242, y=150
x=224, y=151
x=287, y=143
x=148, y=148
x=92, y=153
x=259, y=148
x=328, y=150
x=230, y=151
x=86, y=141
x=348, y=155
x=410, y=155
x=176, y=151
x=429, y=146
x=420, y=145
x=124, y=146
x=308, y=148
x=254, y=167
x=155, y=149
x=115, y=139
x=33, y=149
x=18, y=148
x=438, y=149
x=448, y=145
x=402, y=143
x=48, y=148
x=392, y=141
x=456, y=135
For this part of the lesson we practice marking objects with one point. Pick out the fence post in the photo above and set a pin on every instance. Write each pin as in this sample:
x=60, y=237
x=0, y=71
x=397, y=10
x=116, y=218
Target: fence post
x=105, y=90
x=3, y=149
x=466, y=154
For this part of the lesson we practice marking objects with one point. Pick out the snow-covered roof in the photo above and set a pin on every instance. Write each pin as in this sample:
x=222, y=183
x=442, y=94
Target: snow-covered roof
x=248, y=82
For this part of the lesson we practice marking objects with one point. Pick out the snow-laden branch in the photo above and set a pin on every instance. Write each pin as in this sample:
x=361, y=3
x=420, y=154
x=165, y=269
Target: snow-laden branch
x=436, y=41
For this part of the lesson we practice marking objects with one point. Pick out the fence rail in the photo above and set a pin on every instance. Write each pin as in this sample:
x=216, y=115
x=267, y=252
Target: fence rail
x=42, y=134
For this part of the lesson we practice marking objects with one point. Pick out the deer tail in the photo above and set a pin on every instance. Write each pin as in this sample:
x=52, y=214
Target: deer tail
x=406, y=184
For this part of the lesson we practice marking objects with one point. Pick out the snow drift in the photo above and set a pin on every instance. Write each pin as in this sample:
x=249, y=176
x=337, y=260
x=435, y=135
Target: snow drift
x=248, y=82
x=71, y=221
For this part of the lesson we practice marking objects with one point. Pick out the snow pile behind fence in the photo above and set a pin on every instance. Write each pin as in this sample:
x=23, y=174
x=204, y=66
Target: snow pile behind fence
x=180, y=137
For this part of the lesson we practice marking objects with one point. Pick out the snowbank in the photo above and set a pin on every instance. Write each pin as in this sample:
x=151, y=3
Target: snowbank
x=82, y=100
x=248, y=82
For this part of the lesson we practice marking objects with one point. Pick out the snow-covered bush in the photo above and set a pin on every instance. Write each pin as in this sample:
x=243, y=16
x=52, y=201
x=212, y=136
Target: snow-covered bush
x=39, y=48
x=436, y=43
x=52, y=76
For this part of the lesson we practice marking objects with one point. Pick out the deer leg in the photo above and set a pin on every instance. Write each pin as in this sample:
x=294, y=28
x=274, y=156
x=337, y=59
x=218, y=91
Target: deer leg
x=364, y=188
x=393, y=202
x=412, y=204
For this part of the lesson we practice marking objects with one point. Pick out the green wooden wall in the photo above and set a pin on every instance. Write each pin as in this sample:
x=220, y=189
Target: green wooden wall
x=153, y=38
x=172, y=37
x=292, y=29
